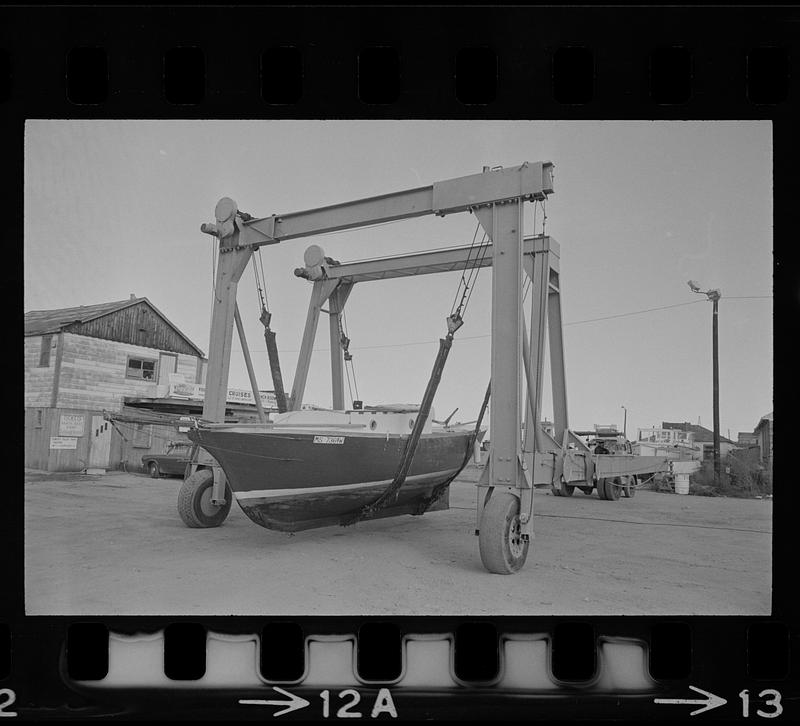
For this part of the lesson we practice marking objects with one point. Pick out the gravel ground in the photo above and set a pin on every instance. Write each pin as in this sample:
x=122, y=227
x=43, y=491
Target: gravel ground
x=114, y=545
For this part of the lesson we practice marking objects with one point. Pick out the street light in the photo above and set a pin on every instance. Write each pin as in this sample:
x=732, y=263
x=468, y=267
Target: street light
x=714, y=296
x=625, y=424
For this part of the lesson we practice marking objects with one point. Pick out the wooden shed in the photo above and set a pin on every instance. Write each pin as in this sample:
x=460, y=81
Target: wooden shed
x=83, y=362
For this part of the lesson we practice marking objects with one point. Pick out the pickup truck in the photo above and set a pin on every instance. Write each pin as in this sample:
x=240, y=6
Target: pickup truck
x=172, y=462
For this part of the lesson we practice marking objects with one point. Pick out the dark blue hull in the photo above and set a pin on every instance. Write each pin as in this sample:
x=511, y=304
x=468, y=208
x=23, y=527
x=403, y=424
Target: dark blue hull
x=291, y=481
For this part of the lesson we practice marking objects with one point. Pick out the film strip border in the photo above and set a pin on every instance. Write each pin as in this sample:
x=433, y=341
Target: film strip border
x=386, y=63
x=379, y=75
x=399, y=62
x=390, y=669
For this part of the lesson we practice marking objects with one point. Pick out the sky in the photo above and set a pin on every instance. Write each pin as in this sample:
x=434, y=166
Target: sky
x=114, y=208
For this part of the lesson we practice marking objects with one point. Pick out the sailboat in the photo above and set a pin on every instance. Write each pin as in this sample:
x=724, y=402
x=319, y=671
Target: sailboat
x=314, y=468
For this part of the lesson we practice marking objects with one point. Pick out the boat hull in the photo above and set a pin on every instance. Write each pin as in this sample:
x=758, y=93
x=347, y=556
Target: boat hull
x=291, y=481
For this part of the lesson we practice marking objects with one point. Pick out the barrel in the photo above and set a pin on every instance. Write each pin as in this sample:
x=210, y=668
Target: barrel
x=681, y=483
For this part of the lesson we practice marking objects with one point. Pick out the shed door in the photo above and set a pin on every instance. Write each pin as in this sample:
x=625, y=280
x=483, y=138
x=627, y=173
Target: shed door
x=166, y=364
x=100, y=443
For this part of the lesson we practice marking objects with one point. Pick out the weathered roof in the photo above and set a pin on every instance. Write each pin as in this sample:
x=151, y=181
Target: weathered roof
x=701, y=433
x=42, y=322
x=766, y=419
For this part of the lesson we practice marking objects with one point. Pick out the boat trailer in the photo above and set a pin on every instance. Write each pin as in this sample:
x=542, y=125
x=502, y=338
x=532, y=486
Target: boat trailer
x=517, y=463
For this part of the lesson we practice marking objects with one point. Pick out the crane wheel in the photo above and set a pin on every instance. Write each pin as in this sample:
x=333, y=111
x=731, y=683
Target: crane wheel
x=503, y=551
x=194, y=501
x=587, y=490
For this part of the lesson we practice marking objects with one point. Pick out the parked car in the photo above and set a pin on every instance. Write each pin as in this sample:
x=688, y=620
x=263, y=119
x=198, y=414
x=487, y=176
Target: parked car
x=172, y=462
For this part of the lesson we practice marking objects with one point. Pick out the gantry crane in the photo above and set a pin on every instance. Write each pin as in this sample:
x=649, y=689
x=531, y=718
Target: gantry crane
x=516, y=464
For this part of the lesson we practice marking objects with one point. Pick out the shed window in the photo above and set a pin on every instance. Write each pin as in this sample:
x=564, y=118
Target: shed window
x=44, y=354
x=142, y=436
x=141, y=368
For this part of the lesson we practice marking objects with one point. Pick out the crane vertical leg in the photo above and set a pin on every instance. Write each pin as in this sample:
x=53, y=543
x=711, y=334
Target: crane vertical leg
x=538, y=272
x=251, y=374
x=546, y=329
x=503, y=223
x=229, y=272
x=504, y=525
x=319, y=294
x=230, y=266
x=557, y=371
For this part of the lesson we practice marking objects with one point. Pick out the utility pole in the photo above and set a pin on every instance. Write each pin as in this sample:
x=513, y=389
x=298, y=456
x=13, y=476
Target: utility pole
x=625, y=423
x=714, y=296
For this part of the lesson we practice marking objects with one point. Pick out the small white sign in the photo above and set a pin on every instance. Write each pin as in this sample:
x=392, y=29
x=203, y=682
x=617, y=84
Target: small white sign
x=63, y=442
x=71, y=425
x=329, y=439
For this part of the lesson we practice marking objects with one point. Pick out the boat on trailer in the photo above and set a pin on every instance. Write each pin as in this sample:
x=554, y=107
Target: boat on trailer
x=314, y=468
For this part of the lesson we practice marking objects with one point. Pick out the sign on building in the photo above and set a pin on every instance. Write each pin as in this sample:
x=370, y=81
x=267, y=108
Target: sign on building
x=178, y=389
x=63, y=442
x=666, y=436
x=243, y=395
x=196, y=391
x=71, y=425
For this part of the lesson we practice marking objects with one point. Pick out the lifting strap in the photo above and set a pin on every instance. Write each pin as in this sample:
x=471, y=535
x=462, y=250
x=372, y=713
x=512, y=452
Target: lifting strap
x=269, y=335
x=274, y=362
x=454, y=322
x=439, y=490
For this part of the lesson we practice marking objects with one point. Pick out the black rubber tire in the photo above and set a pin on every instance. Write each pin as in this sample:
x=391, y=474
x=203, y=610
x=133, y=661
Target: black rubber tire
x=565, y=490
x=629, y=490
x=194, y=506
x=153, y=470
x=607, y=489
x=503, y=552
x=587, y=490
x=613, y=488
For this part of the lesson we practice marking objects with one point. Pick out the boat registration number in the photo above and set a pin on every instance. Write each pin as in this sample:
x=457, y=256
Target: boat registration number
x=329, y=439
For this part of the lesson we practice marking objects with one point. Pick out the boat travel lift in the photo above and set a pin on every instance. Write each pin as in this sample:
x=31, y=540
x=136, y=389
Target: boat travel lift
x=516, y=462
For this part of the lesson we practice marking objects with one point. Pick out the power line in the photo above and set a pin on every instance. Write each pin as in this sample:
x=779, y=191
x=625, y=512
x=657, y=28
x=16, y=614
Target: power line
x=635, y=312
x=488, y=335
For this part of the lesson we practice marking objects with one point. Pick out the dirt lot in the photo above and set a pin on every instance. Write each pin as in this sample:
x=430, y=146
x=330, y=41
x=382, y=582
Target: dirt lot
x=114, y=545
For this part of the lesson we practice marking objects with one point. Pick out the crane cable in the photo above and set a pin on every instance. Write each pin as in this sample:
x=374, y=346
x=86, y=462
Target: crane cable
x=466, y=286
x=344, y=341
x=261, y=283
x=469, y=274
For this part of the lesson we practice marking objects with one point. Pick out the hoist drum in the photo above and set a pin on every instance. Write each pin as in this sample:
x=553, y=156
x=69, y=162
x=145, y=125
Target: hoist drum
x=313, y=256
x=225, y=209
